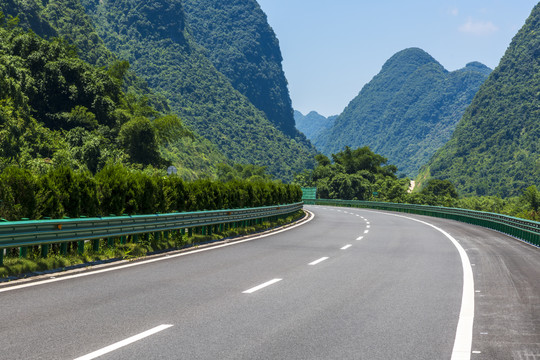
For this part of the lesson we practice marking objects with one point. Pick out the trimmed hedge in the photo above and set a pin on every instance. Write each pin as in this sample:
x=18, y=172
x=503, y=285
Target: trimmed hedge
x=63, y=192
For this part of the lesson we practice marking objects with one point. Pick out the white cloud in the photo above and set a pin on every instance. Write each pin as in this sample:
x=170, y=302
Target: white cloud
x=454, y=11
x=479, y=28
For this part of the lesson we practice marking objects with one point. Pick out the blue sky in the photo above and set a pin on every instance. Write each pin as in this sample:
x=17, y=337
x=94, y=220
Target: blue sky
x=332, y=48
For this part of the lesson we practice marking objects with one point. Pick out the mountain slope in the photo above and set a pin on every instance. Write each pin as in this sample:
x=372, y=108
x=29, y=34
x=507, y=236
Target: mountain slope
x=243, y=47
x=495, y=149
x=152, y=36
x=313, y=124
x=407, y=111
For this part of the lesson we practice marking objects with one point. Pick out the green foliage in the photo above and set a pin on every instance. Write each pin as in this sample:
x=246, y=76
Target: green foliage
x=248, y=172
x=57, y=109
x=116, y=189
x=495, y=148
x=438, y=187
x=357, y=174
x=138, y=137
x=407, y=111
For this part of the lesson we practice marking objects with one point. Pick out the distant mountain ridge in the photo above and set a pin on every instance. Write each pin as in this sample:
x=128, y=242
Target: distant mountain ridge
x=407, y=111
x=495, y=149
x=313, y=124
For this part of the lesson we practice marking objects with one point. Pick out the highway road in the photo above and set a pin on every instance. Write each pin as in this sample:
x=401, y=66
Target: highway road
x=348, y=284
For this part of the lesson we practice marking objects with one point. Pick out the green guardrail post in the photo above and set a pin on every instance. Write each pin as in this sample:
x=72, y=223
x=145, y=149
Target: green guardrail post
x=63, y=248
x=136, y=238
x=190, y=232
x=80, y=247
x=2, y=257
x=95, y=245
x=110, y=242
x=44, y=250
x=23, y=252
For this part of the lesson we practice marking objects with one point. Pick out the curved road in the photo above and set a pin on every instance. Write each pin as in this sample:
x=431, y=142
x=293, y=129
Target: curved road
x=349, y=284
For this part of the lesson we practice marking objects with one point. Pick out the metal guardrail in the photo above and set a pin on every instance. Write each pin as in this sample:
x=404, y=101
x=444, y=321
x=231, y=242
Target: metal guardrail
x=15, y=234
x=526, y=230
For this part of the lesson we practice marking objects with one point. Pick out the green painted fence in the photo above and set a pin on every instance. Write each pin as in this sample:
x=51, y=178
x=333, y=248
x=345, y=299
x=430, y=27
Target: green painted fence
x=526, y=230
x=43, y=233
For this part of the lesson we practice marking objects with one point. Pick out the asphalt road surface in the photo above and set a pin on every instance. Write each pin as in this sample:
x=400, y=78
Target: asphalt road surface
x=349, y=284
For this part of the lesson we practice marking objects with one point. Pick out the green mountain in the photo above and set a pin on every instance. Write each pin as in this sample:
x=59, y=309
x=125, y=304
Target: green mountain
x=407, y=111
x=243, y=47
x=313, y=124
x=153, y=36
x=495, y=149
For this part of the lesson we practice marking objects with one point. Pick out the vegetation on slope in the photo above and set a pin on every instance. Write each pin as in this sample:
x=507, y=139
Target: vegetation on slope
x=495, y=149
x=244, y=48
x=153, y=37
x=407, y=111
x=56, y=109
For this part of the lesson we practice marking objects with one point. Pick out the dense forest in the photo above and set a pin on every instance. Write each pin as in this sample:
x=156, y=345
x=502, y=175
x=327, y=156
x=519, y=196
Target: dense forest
x=313, y=124
x=58, y=110
x=154, y=38
x=495, y=149
x=407, y=111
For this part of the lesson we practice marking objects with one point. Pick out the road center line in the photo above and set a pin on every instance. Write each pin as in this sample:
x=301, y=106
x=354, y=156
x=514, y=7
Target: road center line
x=123, y=343
x=259, y=287
x=359, y=238
x=318, y=261
x=346, y=247
x=366, y=231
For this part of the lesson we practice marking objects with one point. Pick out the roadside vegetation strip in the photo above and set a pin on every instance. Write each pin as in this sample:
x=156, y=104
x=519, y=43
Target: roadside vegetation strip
x=88, y=271
x=127, y=249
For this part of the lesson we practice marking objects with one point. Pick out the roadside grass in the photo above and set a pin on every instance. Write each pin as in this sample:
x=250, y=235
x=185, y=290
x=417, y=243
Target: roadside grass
x=16, y=267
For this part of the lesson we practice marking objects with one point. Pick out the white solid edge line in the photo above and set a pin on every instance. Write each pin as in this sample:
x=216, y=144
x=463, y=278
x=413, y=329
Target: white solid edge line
x=346, y=247
x=318, y=260
x=123, y=343
x=143, y=262
x=464, y=331
x=259, y=287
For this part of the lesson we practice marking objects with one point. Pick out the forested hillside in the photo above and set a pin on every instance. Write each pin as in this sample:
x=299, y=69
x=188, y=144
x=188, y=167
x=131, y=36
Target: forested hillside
x=407, y=112
x=313, y=124
x=495, y=149
x=244, y=48
x=152, y=36
x=58, y=110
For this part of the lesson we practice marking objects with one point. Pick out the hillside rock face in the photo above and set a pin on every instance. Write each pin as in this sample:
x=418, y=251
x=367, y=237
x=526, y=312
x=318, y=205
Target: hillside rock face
x=407, y=111
x=495, y=149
